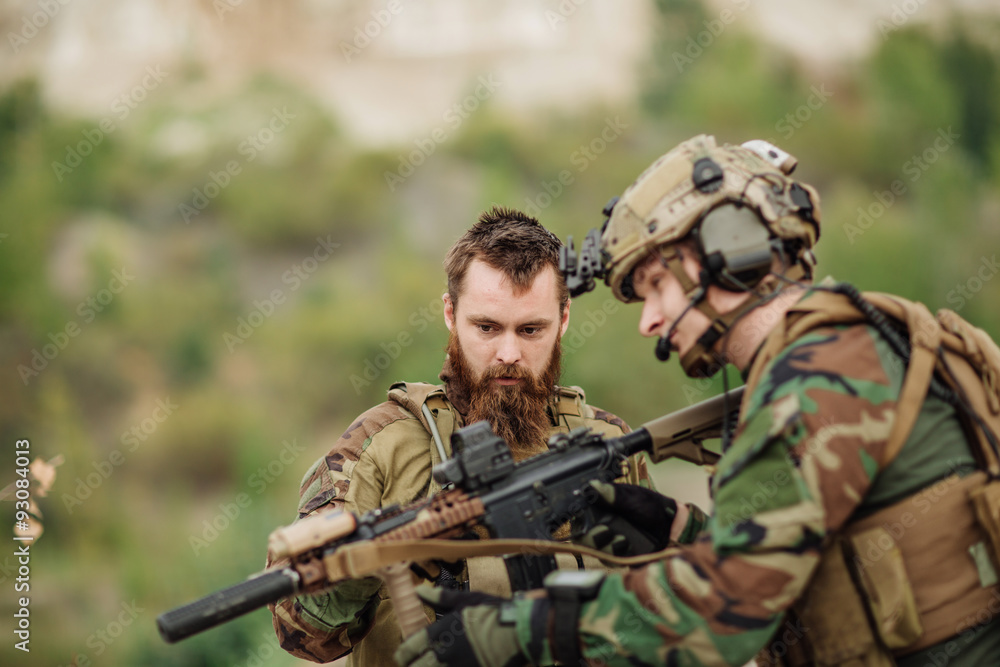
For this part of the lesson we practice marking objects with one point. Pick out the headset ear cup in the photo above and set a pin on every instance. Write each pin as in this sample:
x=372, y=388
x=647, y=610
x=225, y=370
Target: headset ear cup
x=735, y=247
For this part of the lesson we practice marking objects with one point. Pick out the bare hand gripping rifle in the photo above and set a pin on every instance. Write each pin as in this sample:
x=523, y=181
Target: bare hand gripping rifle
x=520, y=504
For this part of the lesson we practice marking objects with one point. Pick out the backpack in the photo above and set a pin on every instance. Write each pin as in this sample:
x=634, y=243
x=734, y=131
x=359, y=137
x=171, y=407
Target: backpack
x=960, y=364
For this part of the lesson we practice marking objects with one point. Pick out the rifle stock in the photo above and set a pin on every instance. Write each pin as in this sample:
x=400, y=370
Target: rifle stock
x=679, y=434
x=515, y=501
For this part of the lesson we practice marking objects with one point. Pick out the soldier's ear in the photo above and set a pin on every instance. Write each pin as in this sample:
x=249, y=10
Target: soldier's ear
x=449, y=311
x=564, y=324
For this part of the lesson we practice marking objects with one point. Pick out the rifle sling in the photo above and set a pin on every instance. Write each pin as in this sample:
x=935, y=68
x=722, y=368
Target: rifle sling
x=362, y=559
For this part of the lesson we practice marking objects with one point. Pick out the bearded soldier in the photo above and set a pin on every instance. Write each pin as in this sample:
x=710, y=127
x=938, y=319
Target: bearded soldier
x=856, y=510
x=506, y=308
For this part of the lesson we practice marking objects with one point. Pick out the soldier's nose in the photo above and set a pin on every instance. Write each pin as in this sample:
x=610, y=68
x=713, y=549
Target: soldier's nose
x=651, y=320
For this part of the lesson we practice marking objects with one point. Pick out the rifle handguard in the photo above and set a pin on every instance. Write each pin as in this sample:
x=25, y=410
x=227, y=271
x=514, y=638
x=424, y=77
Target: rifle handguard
x=310, y=533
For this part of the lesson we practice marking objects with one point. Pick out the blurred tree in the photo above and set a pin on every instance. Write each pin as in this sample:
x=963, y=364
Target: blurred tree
x=974, y=77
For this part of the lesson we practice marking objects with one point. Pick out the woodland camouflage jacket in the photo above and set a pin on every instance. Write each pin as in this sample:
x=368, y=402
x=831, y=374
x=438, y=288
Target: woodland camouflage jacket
x=801, y=464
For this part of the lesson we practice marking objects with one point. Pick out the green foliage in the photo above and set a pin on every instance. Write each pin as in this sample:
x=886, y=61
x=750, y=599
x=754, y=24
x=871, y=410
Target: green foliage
x=974, y=80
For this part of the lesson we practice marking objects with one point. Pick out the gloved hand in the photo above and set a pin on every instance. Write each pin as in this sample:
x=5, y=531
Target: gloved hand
x=638, y=520
x=348, y=603
x=469, y=633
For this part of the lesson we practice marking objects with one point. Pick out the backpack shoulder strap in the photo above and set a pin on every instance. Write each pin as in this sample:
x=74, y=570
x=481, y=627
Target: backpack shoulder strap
x=972, y=368
x=823, y=308
x=427, y=402
x=925, y=340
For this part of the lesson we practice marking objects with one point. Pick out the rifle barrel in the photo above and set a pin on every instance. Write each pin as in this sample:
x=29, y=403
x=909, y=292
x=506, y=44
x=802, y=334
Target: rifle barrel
x=224, y=605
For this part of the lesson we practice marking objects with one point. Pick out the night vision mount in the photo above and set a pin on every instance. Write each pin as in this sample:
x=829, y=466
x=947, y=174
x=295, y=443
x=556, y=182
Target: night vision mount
x=580, y=270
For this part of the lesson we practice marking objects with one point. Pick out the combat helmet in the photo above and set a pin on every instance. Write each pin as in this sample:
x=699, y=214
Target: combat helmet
x=678, y=191
x=739, y=205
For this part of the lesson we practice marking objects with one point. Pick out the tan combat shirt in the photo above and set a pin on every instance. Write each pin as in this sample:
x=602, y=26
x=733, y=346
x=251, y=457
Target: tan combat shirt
x=384, y=458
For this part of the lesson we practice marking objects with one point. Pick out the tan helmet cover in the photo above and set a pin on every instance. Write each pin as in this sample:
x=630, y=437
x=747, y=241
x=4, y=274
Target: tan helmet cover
x=664, y=204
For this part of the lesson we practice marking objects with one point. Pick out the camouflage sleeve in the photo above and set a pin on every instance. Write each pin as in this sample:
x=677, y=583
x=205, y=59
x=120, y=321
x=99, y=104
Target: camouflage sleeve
x=325, y=626
x=697, y=521
x=802, y=459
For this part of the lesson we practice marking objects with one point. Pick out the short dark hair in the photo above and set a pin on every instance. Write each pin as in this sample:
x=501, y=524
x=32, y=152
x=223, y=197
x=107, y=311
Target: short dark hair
x=511, y=242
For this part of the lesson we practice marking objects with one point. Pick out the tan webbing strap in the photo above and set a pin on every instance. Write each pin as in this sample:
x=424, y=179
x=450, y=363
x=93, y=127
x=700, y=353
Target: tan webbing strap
x=566, y=405
x=676, y=266
x=910, y=402
x=925, y=338
x=361, y=559
x=412, y=395
x=488, y=574
x=415, y=396
x=973, y=363
x=828, y=309
x=818, y=310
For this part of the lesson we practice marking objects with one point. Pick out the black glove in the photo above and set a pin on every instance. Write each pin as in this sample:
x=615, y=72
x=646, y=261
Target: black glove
x=637, y=520
x=469, y=633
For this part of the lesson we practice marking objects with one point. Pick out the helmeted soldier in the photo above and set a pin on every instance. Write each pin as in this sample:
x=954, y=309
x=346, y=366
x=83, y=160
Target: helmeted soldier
x=506, y=308
x=856, y=514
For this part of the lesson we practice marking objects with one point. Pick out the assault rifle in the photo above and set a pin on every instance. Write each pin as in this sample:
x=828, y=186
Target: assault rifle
x=520, y=504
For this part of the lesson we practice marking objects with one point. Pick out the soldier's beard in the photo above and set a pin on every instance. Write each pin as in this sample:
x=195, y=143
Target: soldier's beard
x=517, y=412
